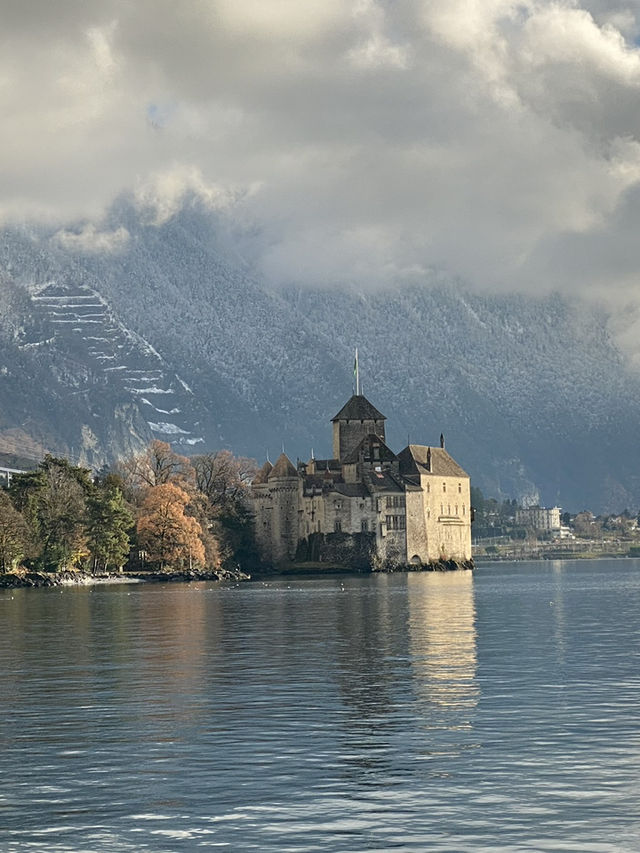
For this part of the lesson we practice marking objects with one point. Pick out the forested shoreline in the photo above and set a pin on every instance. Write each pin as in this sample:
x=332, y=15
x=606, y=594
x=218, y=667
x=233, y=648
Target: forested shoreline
x=155, y=513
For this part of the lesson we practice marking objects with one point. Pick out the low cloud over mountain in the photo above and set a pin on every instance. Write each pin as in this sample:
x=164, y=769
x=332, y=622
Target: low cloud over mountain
x=366, y=142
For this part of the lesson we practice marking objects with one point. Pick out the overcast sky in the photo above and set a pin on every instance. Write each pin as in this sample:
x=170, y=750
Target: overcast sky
x=366, y=141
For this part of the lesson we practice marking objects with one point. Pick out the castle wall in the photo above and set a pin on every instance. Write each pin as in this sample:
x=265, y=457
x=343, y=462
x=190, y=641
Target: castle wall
x=391, y=533
x=447, y=516
x=417, y=531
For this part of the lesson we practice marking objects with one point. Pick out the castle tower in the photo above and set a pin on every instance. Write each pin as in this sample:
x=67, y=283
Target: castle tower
x=283, y=482
x=357, y=419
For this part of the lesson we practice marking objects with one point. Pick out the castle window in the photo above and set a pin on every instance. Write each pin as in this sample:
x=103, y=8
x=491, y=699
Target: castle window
x=402, y=522
x=389, y=522
x=337, y=526
x=428, y=487
x=444, y=487
x=364, y=525
x=463, y=509
x=459, y=488
x=456, y=509
x=389, y=501
x=428, y=513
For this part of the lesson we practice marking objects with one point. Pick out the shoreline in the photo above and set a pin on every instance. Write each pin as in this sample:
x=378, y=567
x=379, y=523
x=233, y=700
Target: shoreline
x=33, y=579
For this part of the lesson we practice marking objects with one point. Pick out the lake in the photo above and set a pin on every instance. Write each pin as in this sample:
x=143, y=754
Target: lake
x=408, y=712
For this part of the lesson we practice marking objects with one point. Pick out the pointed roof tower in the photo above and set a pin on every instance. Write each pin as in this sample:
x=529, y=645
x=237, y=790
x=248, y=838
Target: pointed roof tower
x=358, y=408
x=283, y=468
x=263, y=474
x=355, y=420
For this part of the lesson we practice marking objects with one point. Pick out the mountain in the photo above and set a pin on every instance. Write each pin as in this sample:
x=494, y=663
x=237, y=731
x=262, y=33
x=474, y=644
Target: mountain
x=173, y=334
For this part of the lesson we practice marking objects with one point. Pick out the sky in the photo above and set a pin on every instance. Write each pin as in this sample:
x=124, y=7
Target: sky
x=372, y=141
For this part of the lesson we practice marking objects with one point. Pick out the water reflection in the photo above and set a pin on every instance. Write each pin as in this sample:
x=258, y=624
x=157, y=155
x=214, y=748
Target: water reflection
x=557, y=606
x=372, y=644
x=442, y=640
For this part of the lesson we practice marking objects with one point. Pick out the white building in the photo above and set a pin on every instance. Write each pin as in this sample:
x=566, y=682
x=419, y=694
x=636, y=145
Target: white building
x=540, y=518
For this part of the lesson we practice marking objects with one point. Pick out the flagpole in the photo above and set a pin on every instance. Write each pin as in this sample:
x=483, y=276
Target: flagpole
x=357, y=374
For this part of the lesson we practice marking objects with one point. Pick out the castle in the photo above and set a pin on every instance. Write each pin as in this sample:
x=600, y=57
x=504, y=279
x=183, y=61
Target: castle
x=366, y=505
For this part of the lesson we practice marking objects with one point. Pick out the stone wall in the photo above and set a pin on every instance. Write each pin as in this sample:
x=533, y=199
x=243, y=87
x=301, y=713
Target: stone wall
x=344, y=550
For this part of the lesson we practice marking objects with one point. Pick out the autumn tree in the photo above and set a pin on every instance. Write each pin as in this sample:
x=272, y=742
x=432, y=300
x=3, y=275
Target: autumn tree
x=165, y=531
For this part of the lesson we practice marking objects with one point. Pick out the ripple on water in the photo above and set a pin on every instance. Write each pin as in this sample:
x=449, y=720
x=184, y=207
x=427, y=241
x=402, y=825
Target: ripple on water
x=420, y=712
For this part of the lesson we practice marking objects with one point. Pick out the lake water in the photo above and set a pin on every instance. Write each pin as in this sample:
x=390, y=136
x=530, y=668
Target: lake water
x=417, y=712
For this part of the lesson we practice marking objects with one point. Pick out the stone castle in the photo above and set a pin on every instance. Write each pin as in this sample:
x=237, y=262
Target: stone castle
x=367, y=506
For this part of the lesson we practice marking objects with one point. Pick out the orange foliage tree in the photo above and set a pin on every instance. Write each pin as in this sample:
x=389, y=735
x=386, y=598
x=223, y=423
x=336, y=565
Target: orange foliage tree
x=169, y=536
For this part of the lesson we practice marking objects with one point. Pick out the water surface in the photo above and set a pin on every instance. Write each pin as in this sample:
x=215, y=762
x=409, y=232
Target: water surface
x=419, y=712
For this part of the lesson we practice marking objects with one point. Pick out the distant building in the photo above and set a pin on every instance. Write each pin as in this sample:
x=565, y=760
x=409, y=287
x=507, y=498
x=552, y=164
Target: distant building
x=365, y=503
x=540, y=518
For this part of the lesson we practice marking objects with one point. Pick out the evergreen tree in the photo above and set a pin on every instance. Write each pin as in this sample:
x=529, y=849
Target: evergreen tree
x=15, y=538
x=53, y=501
x=109, y=522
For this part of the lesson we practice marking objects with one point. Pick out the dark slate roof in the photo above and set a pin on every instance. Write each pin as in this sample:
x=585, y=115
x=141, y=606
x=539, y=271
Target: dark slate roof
x=386, y=455
x=358, y=408
x=263, y=474
x=413, y=460
x=284, y=467
x=351, y=490
x=383, y=481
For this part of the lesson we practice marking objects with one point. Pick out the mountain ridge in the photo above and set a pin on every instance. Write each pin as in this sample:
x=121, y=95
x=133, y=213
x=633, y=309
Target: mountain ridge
x=533, y=395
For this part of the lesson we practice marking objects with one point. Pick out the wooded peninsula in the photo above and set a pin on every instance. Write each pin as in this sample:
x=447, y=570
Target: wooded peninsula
x=154, y=512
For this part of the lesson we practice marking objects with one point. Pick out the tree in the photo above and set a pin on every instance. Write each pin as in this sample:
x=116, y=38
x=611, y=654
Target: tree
x=165, y=531
x=223, y=479
x=586, y=526
x=53, y=501
x=108, y=524
x=15, y=538
x=156, y=466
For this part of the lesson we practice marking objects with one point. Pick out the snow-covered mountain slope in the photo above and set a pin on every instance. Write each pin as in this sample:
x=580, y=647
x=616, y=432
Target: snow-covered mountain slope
x=173, y=336
x=83, y=316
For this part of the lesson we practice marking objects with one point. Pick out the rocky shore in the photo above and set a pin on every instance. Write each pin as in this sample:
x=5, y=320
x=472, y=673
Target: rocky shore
x=435, y=566
x=15, y=580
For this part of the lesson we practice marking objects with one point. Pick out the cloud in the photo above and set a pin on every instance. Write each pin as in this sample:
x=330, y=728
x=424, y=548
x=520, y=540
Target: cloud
x=368, y=142
x=89, y=239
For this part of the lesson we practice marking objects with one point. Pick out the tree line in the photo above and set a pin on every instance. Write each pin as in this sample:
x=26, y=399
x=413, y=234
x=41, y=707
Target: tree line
x=154, y=510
